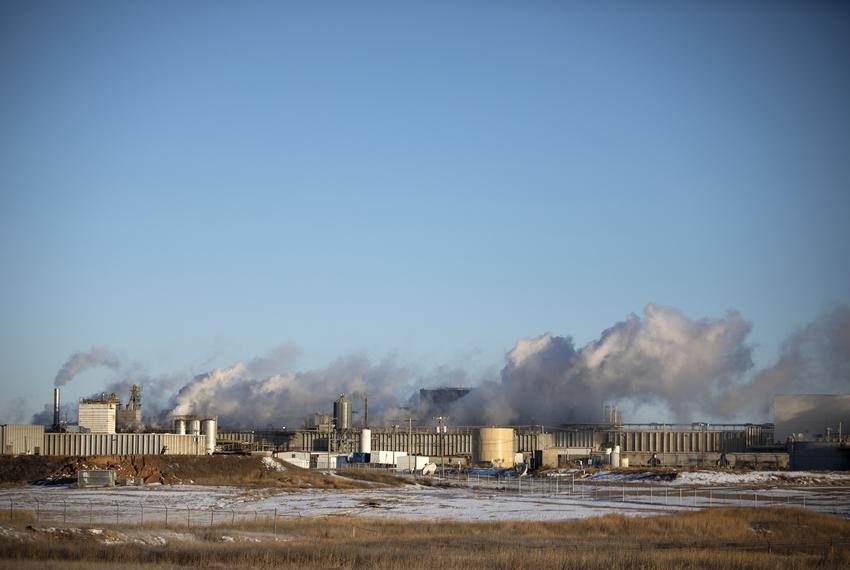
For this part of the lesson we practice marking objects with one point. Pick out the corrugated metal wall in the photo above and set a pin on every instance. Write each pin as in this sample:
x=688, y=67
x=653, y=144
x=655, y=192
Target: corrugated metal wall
x=21, y=439
x=83, y=444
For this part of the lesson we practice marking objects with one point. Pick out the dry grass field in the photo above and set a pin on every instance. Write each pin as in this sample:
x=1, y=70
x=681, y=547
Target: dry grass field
x=722, y=538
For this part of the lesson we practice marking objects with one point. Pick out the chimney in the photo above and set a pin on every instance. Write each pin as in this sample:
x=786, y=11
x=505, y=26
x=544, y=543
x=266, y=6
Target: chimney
x=56, y=409
x=365, y=411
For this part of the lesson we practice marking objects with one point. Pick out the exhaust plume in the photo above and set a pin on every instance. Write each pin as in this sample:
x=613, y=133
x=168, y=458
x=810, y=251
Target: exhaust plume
x=242, y=398
x=80, y=361
x=663, y=359
x=660, y=365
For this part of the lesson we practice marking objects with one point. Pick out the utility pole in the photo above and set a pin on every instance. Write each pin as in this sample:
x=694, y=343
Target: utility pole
x=395, y=441
x=410, y=445
x=441, y=431
x=330, y=437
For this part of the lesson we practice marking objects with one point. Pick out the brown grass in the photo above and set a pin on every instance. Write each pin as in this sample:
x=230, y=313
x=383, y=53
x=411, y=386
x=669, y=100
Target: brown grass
x=720, y=539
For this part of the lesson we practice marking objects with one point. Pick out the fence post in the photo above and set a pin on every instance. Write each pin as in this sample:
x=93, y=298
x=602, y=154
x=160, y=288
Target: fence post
x=166, y=516
x=756, y=498
x=650, y=495
x=188, y=517
x=64, y=512
x=37, y=510
x=11, y=508
x=212, y=514
x=274, y=524
x=709, y=498
x=91, y=513
x=232, y=516
x=624, y=493
x=116, y=513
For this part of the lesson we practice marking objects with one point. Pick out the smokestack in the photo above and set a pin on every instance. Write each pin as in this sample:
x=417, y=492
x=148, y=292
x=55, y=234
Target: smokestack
x=365, y=411
x=56, y=409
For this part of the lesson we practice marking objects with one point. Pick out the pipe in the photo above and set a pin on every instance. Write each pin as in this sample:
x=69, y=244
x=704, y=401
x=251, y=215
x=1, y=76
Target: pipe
x=56, y=408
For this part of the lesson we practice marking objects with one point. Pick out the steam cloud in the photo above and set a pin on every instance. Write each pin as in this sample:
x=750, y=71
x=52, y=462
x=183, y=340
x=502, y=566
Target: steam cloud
x=660, y=361
x=80, y=361
x=240, y=398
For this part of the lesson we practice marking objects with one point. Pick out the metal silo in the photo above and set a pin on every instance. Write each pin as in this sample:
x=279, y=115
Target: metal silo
x=366, y=441
x=342, y=413
x=615, y=456
x=195, y=426
x=180, y=427
x=494, y=445
x=209, y=429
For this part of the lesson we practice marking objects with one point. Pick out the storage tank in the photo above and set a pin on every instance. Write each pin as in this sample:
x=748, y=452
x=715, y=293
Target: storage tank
x=607, y=459
x=195, y=427
x=342, y=413
x=209, y=429
x=494, y=445
x=615, y=456
x=366, y=441
x=180, y=427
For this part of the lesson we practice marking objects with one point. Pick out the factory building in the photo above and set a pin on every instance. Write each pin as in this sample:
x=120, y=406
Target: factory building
x=21, y=439
x=641, y=444
x=436, y=401
x=129, y=417
x=86, y=444
x=97, y=415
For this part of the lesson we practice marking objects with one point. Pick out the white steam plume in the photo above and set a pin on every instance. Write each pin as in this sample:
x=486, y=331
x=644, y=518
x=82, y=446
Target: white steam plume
x=80, y=361
x=242, y=398
x=813, y=360
x=661, y=359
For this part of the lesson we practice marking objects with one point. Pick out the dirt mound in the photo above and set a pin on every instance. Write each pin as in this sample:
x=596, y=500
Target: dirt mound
x=238, y=470
x=21, y=469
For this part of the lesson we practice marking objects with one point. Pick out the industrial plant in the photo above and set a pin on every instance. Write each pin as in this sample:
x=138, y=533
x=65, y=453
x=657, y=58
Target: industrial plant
x=808, y=433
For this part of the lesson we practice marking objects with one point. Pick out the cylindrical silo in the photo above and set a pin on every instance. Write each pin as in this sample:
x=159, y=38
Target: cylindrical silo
x=494, y=445
x=607, y=459
x=366, y=441
x=195, y=426
x=342, y=413
x=615, y=456
x=180, y=427
x=209, y=429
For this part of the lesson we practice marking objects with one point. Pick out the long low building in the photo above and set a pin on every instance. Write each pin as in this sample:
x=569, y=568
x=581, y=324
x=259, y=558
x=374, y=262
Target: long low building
x=85, y=444
x=687, y=443
x=23, y=439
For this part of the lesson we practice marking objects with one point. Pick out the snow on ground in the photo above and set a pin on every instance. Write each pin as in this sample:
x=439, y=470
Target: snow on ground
x=202, y=504
x=273, y=464
x=714, y=478
x=759, y=478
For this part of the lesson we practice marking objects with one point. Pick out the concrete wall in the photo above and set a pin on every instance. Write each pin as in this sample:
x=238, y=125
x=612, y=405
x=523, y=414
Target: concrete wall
x=812, y=455
x=742, y=459
x=84, y=444
x=18, y=439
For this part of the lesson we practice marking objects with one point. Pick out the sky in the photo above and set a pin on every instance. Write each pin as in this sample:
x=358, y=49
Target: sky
x=192, y=183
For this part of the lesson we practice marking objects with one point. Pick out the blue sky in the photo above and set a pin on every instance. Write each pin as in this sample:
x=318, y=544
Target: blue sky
x=191, y=183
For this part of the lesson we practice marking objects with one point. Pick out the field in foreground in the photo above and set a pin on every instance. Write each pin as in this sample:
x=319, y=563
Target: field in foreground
x=715, y=539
